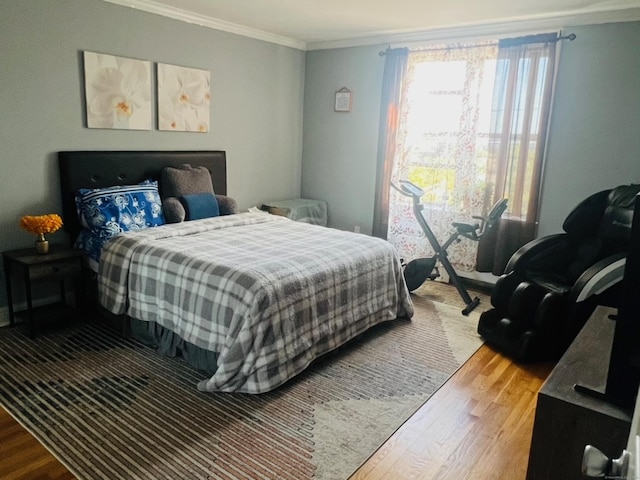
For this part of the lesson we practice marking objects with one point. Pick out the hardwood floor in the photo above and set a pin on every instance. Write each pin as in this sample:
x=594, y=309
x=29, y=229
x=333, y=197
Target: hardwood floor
x=477, y=426
x=22, y=457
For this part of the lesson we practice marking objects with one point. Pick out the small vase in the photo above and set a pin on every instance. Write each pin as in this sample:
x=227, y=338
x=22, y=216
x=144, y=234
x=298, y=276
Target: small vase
x=42, y=245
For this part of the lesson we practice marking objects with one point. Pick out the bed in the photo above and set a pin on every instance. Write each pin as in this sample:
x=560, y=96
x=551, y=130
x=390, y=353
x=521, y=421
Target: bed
x=252, y=298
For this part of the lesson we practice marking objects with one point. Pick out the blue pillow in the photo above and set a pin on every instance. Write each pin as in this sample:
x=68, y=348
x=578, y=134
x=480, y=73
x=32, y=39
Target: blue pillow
x=106, y=212
x=200, y=205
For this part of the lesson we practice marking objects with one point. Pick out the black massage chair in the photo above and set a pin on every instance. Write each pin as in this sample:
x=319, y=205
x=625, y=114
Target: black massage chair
x=551, y=285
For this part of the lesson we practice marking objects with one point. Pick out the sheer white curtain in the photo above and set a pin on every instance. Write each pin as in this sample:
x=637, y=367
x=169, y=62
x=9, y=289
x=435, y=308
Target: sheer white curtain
x=442, y=145
x=472, y=129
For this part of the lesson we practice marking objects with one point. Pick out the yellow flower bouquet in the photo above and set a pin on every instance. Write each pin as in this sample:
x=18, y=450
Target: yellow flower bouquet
x=41, y=224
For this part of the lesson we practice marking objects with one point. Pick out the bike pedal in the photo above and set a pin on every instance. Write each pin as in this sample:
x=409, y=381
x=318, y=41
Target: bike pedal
x=435, y=274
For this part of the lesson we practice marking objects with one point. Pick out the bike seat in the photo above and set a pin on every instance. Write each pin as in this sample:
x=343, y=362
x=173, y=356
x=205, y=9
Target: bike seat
x=468, y=230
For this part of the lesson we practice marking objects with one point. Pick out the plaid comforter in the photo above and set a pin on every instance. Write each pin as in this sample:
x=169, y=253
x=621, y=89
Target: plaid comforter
x=268, y=294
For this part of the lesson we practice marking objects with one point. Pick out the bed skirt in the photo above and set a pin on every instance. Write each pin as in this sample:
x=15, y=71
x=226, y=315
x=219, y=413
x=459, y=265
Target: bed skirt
x=169, y=344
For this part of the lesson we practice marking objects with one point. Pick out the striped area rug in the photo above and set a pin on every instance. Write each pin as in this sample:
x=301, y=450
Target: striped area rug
x=110, y=408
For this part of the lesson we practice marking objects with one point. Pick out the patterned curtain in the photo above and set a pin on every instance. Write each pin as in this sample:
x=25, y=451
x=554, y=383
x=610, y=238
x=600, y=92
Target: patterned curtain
x=395, y=67
x=472, y=127
x=520, y=114
x=442, y=146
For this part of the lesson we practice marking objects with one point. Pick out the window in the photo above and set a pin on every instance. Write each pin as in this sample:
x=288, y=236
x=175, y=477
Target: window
x=470, y=130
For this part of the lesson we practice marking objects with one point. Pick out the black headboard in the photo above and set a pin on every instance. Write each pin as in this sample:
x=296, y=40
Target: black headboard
x=99, y=169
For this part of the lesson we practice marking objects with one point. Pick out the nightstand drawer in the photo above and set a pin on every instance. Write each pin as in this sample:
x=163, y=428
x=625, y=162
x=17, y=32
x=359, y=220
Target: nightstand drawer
x=53, y=270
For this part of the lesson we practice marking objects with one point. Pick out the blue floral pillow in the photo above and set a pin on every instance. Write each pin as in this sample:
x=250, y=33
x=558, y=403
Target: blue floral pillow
x=106, y=212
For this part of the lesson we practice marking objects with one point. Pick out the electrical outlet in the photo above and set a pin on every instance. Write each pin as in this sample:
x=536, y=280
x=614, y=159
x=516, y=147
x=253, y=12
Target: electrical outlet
x=356, y=228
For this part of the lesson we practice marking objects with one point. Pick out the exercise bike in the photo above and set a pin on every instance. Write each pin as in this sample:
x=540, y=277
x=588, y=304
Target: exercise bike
x=417, y=271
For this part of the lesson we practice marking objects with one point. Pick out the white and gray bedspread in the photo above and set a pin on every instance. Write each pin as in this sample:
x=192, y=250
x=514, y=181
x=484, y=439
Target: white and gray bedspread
x=268, y=294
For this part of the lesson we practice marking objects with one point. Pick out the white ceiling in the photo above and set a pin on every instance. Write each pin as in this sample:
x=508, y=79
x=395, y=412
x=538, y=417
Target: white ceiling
x=314, y=24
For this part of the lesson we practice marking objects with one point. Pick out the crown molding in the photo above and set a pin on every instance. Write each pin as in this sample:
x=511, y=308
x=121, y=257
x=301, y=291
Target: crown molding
x=205, y=21
x=506, y=26
x=483, y=29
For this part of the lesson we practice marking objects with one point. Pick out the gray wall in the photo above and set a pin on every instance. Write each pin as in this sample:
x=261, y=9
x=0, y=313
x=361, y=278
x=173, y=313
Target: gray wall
x=339, y=149
x=256, y=107
x=595, y=127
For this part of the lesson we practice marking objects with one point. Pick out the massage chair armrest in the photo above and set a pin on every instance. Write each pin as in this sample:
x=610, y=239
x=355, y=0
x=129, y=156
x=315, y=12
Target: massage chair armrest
x=598, y=285
x=545, y=250
x=227, y=205
x=599, y=277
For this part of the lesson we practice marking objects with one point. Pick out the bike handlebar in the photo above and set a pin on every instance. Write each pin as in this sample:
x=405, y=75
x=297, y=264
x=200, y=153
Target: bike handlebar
x=408, y=189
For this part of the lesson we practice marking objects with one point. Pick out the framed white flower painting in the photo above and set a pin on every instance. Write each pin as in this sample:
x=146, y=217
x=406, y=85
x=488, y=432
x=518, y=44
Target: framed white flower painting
x=184, y=96
x=118, y=92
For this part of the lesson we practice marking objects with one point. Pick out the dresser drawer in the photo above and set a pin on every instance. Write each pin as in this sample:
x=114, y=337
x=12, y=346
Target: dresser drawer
x=61, y=269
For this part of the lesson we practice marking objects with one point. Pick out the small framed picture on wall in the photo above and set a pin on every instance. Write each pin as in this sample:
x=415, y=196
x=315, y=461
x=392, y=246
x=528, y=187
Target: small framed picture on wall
x=342, y=100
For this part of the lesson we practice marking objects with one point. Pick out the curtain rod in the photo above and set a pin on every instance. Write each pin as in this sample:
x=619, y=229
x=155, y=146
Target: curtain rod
x=571, y=37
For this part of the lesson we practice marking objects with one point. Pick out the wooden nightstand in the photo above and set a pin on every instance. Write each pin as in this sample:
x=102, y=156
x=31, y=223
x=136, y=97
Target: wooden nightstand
x=61, y=263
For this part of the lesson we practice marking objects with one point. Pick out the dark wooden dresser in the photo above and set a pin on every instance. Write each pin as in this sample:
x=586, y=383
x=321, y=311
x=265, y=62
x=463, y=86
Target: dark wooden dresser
x=566, y=420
